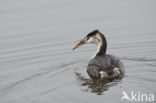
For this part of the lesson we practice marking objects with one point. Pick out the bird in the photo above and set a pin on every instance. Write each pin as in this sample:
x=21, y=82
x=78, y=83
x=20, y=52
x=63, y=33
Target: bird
x=102, y=65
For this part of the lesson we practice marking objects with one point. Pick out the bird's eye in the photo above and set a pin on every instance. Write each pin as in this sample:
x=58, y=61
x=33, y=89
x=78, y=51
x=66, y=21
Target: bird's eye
x=88, y=38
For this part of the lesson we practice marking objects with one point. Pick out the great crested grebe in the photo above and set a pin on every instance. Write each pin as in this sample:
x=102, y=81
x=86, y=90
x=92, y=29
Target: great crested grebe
x=102, y=65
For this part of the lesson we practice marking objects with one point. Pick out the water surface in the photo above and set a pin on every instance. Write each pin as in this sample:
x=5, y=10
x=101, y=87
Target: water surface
x=37, y=64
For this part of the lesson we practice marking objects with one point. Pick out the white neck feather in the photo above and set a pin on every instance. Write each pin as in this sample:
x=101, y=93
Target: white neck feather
x=96, y=40
x=98, y=49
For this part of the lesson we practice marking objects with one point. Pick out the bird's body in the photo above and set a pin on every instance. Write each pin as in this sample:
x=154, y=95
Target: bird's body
x=101, y=66
x=106, y=66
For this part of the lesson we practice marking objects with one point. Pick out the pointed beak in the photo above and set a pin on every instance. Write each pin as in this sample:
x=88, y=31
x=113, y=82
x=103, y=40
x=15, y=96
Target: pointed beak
x=80, y=42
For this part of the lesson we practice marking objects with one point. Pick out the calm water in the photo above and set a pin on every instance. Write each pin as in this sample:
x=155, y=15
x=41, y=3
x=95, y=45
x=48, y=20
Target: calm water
x=37, y=64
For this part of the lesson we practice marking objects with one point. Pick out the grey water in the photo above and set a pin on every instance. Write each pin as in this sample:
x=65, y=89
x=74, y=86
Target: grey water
x=37, y=64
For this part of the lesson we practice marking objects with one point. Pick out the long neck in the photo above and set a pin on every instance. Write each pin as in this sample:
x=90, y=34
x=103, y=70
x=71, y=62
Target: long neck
x=102, y=45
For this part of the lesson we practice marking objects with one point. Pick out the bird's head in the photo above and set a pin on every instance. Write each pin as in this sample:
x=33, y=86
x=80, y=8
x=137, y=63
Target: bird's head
x=92, y=37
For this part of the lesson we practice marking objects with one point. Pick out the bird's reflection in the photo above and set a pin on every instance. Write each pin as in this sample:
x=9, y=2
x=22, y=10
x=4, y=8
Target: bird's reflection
x=96, y=86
